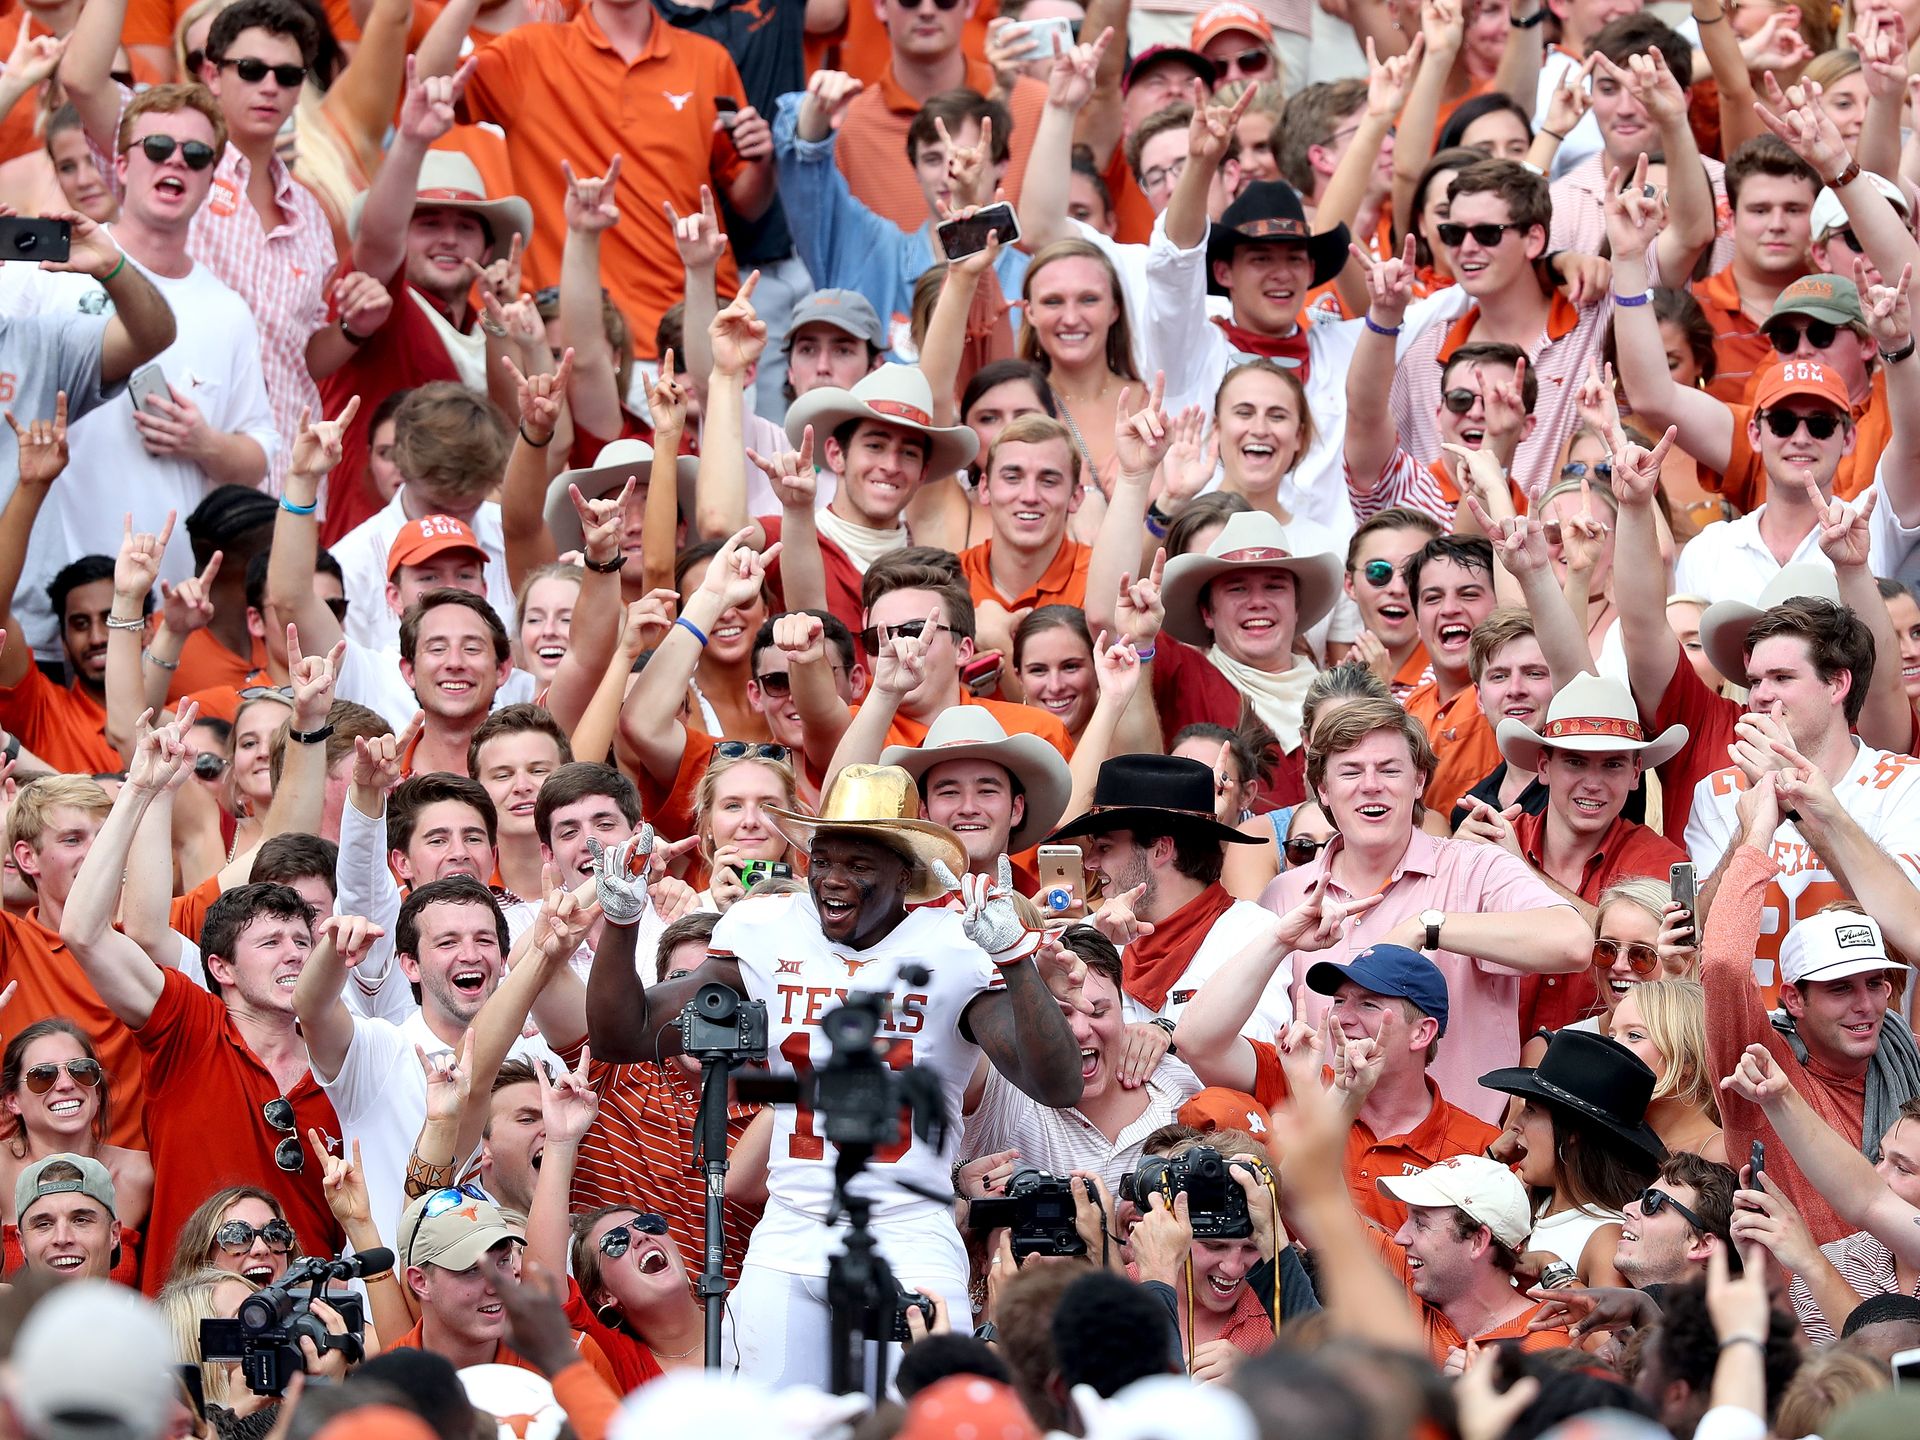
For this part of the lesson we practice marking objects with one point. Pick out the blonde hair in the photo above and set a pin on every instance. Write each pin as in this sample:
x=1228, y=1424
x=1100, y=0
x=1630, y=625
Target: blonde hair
x=1829, y=1381
x=1643, y=892
x=36, y=800
x=184, y=1303
x=703, y=793
x=1675, y=1014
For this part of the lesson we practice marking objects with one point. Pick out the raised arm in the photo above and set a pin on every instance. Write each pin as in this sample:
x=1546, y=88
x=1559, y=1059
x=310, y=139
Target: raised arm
x=660, y=517
x=801, y=637
x=296, y=529
x=361, y=100
x=1442, y=30
x=737, y=339
x=701, y=243
x=42, y=450
x=1371, y=437
x=568, y=1106
x=380, y=248
x=318, y=999
x=439, y=49
x=1388, y=83
x=1141, y=440
x=1890, y=317
x=1885, y=238
x=1880, y=39
x=1071, y=83
x=898, y=668
x=1185, y=218
x=592, y=208
x=86, y=70
x=1520, y=545
x=803, y=570
x=1691, y=221
x=541, y=401
x=594, y=732
x=1731, y=75
x=130, y=690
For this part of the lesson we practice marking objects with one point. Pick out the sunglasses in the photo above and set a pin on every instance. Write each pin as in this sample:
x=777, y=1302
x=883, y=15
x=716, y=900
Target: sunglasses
x=1248, y=62
x=1379, y=573
x=252, y=72
x=1486, y=233
x=1579, y=470
x=282, y=693
x=617, y=1241
x=749, y=750
x=338, y=605
x=1785, y=339
x=1459, y=401
x=1642, y=958
x=1300, y=850
x=439, y=1203
x=209, y=766
x=288, y=1154
x=236, y=1237
x=42, y=1078
x=874, y=636
x=1783, y=423
x=1652, y=1202
x=159, y=149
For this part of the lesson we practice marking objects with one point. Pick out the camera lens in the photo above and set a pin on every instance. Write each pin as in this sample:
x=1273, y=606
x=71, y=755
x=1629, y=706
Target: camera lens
x=850, y=1027
x=25, y=241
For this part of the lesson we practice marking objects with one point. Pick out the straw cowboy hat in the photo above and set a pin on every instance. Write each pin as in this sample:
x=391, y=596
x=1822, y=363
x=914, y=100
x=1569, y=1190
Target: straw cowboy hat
x=1153, y=792
x=969, y=732
x=1724, y=626
x=450, y=181
x=892, y=395
x=604, y=477
x=1251, y=540
x=1592, y=713
x=879, y=802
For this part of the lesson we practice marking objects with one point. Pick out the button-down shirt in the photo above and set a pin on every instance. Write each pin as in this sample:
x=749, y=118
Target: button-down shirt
x=1729, y=560
x=1483, y=1030
x=1580, y=215
x=1063, y=583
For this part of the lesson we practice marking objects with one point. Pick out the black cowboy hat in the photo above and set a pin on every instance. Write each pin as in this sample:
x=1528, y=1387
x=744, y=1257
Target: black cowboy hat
x=1153, y=792
x=1267, y=212
x=1596, y=1078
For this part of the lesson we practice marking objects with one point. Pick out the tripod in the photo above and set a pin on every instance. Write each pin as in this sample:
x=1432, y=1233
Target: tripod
x=863, y=1298
x=710, y=1153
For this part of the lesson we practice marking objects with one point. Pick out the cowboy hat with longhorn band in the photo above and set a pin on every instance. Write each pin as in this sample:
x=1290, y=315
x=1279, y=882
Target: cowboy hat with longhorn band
x=892, y=395
x=1594, y=1077
x=1724, y=625
x=969, y=732
x=450, y=181
x=1153, y=792
x=1594, y=714
x=879, y=803
x=1268, y=212
x=1251, y=540
x=611, y=469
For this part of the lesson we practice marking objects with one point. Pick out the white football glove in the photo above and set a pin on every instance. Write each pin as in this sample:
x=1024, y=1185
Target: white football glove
x=622, y=891
x=988, y=915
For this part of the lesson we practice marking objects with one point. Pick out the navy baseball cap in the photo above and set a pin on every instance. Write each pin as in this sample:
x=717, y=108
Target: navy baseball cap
x=1388, y=970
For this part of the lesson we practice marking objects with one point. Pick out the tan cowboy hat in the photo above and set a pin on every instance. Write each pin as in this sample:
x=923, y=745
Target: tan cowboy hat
x=449, y=180
x=879, y=802
x=1724, y=626
x=1251, y=540
x=1591, y=713
x=609, y=471
x=969, y=732
x=893, y=395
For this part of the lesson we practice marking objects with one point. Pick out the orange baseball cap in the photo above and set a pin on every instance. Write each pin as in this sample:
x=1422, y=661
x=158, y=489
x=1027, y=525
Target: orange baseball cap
x=420, y=540
x=1813, y=378
x=1230, y=15
x=1218, y=1108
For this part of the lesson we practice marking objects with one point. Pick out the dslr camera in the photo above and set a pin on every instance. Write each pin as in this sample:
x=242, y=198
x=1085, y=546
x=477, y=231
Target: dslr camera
x=1216, y=1205
x=265, y=1337
x=717, y=1023
x=907, y=1300
x=1036, y=1211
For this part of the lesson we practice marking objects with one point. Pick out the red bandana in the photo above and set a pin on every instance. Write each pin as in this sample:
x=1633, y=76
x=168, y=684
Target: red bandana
x=1154, y=963
x=1289, y=350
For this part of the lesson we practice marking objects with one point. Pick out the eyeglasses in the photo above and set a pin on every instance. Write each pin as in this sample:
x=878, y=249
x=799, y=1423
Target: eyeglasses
x=252, y=72
x=159, y=149
x=1785, y=339
x=1652, y=1202
x=41, y=1078
x=1579, y=470
x=1846, y=234
x=1486, y=233
x=1379, y=573
x=1162, y=175
x=288, y=1154
x=749, y=750
x=874, y=636
x=1459, y=401
x=440, y=1202
x=1248, y=62
x=1820, y=425
x=282, y=693
x=338, y=605
x=1642, y=958
x=236, y=1237
x=617, y=1241
x=1300, y=850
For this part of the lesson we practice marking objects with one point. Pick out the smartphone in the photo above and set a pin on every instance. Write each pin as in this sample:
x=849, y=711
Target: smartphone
x=1041, y=34
x=145, y=383
x=961, y=238
x=752, y=872
x=25, y=238
x=729, y=109
x=1906, y=1369
x=981, y=674
x=1757, y=1164
x=1682, y=886
x=1063, y=880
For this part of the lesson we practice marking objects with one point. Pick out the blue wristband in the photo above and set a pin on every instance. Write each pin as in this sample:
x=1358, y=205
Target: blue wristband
x=293, y=509
x=1387, y=330
x=1143, y=656
x=1632, y=300
x=693, y=630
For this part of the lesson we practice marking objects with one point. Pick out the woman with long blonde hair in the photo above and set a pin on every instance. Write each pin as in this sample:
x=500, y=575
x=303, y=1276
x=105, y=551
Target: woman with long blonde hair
x=1074, y=326
x=1664, y=1022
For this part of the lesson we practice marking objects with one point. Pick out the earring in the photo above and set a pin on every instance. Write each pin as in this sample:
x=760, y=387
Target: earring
x=609, y=1314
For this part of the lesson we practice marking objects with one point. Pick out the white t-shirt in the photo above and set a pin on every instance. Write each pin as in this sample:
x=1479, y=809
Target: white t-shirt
x=362, y=553
x=214, y=360
x=1242, y=924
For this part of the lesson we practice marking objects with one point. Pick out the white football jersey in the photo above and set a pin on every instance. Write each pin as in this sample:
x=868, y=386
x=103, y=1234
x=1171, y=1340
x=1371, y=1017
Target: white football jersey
x=786, y=961
x=1880, y=790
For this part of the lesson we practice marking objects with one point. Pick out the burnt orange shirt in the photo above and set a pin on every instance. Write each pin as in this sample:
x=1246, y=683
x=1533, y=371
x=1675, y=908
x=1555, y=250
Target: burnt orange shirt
x=188, y=912
x=1739, y=348
x=1133, y=215
x=62, y=724
x=1416, y=670
x=864, y=50
x=872, y=145
x=1014, y=719
x=1462, y=741
x=504, y=1355
x=1745, y=480
x=206, y=664
x=1064, y=583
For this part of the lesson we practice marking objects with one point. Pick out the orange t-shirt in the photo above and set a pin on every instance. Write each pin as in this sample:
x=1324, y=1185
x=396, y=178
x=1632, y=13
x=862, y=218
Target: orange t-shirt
x=1064, y=583
x=1745, y=482
x=561, y=92
x=1413, y=673
x=1462, y=741
x=62, y=724
x=1133, y=215
x=1442, y=1336
x=1739, y=348
x=188, y=912
x=206, y=664
x=504, y=1355
x=52, y=983
x=1014, y=719
x=872, y=145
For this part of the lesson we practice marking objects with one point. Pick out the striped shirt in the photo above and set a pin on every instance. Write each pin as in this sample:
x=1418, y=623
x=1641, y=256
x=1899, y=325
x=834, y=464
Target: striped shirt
x=1864, y=1263
x=1580, y=215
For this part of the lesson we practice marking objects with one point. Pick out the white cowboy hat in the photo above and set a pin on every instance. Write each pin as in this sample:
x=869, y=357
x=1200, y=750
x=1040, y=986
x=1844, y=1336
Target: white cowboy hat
x=1251, y=540
x=893, y=395
x=969, y=732
x=1724, y=626
x=879, y=802
x=1592, y=713
x=449, y=180
x=609, y=471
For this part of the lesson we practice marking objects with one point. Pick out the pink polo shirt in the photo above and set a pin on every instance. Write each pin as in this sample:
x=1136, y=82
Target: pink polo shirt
x=1483, y=999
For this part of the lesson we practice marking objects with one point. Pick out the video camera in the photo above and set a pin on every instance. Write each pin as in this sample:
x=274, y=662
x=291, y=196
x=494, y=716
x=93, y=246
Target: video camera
x=1037, y=1211
x=265, y=1337
x=1216, y=1205
x=718, y=1024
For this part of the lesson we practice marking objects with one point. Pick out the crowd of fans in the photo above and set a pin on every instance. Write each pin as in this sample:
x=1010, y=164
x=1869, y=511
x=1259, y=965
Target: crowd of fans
x=1221, y=560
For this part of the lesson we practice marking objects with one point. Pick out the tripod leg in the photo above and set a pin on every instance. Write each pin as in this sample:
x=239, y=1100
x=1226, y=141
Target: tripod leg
x=711, y=1136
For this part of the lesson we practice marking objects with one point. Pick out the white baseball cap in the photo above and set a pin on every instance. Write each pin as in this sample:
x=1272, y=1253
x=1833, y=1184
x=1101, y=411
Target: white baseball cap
x=1829, y=215
x=1833, y=945
x=1488, y=1191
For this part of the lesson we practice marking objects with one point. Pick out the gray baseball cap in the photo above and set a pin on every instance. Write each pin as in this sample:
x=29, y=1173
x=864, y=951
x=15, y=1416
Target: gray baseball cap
x=34, y=1185
x=846, y=310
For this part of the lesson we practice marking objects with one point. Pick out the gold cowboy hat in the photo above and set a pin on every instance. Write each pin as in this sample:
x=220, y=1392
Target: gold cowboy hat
x=879, y=802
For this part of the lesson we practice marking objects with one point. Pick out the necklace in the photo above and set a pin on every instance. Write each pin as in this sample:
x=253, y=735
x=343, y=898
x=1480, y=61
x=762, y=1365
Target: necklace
x=1110, y=382
x=660, y=1354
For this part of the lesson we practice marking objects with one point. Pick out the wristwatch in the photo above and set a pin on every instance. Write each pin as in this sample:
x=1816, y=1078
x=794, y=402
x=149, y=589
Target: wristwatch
x=1161, y=1022
x=310, y=737
x=1433, y=920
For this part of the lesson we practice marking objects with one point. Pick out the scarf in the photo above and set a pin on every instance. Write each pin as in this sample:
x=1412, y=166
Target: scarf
x=1275, y=698
x=466, y=349
x=1893, y=1075
x=1290, y=350
x=1154, y=962
x=863, y=546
